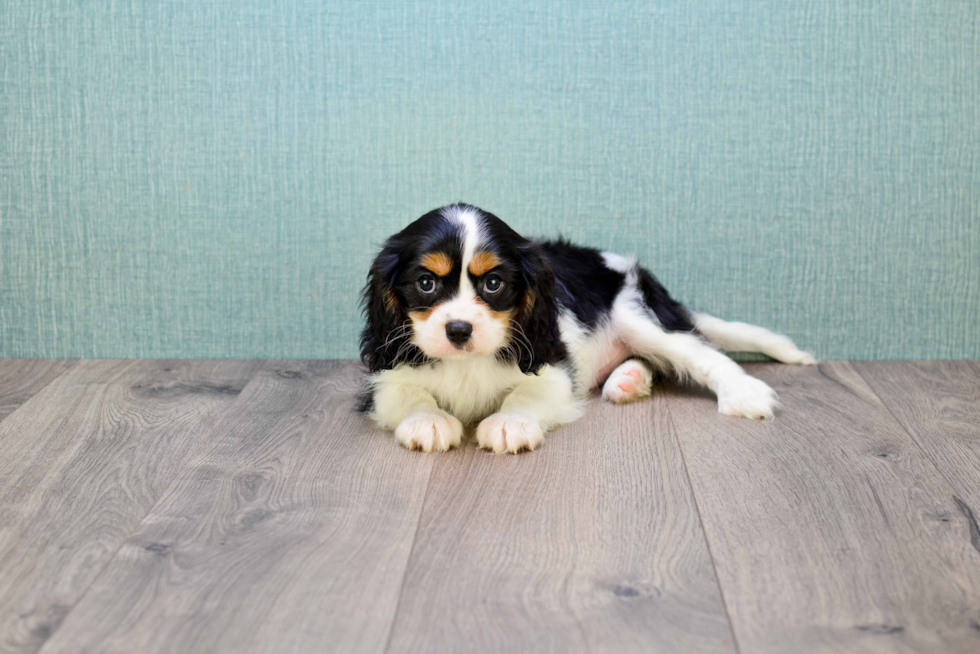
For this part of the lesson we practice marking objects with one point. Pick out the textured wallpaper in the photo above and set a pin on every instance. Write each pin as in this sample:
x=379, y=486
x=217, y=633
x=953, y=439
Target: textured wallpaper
x=212, y=178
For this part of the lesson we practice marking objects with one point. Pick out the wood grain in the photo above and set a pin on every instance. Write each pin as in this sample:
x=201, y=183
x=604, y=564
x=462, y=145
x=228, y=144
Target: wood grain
x=830, y=529
x=591, y=543
x=83, y=461
x=289, y=531
x=938, y=403
x=20, y=379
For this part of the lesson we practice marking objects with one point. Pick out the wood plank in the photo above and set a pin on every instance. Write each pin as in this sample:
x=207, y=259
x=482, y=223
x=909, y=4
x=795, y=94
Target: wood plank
x=20, y=379
x=591, y=543
x=938, y=403
x=83, y=461
x=289, y=531
x=830, y=529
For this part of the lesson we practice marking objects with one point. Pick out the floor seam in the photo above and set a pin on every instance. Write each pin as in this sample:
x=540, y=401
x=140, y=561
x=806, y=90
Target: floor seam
x=411, y=551
x=704, y=530
x=73, y=363
x=915, y=441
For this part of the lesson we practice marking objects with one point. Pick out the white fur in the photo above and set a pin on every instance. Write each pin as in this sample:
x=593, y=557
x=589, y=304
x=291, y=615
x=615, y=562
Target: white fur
x=509, y=431
x=690, y=356
x=740, y=337
x=430, y=430
x=471, y=390
x=631, y=380
x=594, y=354
x=536, y=405
x=619, y=263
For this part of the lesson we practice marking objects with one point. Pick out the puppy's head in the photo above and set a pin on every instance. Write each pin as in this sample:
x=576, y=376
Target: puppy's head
x=459, y=283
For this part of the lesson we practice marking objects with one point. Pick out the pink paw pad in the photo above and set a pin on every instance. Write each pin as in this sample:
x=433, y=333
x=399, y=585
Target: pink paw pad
x=629, y=385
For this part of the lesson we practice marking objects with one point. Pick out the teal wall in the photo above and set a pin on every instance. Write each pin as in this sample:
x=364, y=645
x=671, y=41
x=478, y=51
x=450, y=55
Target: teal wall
x=211, y=178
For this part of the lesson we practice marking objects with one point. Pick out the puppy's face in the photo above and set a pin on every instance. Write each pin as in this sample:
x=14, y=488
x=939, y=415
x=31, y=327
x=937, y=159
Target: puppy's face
x=457, y=283
x=460, y=285
x=461, y=306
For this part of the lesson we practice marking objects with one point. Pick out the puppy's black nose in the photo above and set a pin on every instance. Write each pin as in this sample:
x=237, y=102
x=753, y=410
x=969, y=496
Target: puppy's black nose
x=458, y=332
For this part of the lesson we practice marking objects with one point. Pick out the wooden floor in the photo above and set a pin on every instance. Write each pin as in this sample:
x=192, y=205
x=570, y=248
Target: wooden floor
x=243, y=506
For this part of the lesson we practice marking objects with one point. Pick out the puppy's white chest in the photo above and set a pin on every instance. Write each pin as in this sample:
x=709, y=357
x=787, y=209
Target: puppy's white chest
x=470, y=389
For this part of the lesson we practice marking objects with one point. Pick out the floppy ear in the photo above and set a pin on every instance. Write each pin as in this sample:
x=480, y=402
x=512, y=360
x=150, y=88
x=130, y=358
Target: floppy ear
x=383, y=313
x=538, y=312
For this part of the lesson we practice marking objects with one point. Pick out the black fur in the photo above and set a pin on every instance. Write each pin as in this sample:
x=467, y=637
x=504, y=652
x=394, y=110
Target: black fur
x=540, y=324
x=586, y=285
x=673, y=316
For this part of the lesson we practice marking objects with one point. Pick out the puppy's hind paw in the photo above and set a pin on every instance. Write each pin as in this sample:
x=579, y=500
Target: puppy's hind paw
x=784, y=350
x=509, y=431
x=430, y=431
x=630, y=381
x=807, y=359
x=799, y=358
x=748, y=398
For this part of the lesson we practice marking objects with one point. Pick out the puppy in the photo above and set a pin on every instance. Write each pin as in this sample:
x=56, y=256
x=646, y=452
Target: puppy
x=470, y=323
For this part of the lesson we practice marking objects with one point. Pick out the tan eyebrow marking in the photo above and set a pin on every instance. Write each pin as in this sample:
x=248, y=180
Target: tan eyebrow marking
x=483, y=262
x=438, y=262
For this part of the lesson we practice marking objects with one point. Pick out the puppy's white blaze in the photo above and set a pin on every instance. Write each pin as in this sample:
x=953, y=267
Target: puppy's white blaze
x=469, y=222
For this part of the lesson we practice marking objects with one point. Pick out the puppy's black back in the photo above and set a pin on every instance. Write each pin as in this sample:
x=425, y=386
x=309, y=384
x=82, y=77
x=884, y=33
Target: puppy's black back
x=588, y=287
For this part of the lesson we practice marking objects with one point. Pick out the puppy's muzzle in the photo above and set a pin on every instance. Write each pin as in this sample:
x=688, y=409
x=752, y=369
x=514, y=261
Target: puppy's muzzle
x=458, y=332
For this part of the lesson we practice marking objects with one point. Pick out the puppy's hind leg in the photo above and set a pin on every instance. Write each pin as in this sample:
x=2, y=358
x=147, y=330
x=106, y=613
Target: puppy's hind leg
x=741, y=337
x=688, y=355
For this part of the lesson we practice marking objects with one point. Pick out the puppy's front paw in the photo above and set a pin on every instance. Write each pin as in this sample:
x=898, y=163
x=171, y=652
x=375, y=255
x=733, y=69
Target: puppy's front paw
x=429, y=431
x=748, y=397
x=509, y=431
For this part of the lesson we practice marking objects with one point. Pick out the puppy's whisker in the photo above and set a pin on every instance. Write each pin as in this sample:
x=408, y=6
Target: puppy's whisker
x=395, y=336
x=392, y=341
x=404, y=347
x=518, y=348
x=521, y=339
x=397, y=333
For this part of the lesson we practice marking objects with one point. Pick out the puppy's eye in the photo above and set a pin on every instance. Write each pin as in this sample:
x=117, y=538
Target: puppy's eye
x=493, y=284
x=427, y=284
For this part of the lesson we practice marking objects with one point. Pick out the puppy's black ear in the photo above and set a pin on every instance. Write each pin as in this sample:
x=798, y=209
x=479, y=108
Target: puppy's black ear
x=383, y=312
x=538, y=311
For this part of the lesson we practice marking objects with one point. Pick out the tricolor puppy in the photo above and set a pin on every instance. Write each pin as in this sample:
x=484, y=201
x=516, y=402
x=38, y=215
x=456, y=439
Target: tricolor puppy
x=470, y=323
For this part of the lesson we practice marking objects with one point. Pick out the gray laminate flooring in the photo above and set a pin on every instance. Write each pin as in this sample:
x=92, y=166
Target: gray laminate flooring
x=244, y=506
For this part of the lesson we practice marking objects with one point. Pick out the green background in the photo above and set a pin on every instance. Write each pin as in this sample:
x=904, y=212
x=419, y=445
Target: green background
x=212, y=178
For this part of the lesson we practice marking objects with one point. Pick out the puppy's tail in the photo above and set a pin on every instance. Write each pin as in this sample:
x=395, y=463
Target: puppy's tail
x=740, y=337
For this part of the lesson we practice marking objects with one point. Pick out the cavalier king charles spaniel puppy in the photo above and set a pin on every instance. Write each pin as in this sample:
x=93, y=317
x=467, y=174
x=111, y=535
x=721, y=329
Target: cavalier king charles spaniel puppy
x=470, y=323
